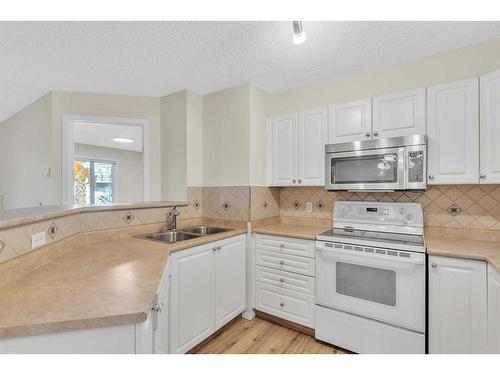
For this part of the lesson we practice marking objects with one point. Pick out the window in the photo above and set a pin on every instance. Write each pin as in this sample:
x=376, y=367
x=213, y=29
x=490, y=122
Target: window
x=94, y=182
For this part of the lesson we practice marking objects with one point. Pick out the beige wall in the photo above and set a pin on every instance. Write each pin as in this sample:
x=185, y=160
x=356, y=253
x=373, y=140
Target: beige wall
x=449, y=66
x=194, y=141
x=25, y=150
x=257, y=137
x=226, y=137
x=72, y=103
x=130, y=169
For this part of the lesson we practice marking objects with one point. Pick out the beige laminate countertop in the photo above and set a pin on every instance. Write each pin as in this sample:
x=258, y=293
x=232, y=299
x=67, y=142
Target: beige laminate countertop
x=464, y=248
x=291, y=230
x=89, y=286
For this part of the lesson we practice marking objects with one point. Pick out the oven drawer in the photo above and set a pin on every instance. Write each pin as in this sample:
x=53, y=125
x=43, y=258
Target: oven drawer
x=304, y=266
x=286, y=245
x=285, y=304
x=287, y=280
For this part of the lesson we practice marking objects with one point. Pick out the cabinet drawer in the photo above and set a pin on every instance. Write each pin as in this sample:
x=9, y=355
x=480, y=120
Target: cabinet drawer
x=292, y=306
x=304, y=266
x=287, y=280
x=286, y=245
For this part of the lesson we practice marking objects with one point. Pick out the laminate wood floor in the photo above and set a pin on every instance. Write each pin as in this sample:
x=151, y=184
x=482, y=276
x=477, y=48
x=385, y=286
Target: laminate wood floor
x=259, y=336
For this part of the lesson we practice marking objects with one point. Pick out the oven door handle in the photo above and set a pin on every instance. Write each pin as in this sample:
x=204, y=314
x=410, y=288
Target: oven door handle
x=332, y=252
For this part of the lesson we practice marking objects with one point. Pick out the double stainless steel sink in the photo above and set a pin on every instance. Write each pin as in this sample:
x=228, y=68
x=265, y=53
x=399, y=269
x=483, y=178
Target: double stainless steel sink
x=184, y=234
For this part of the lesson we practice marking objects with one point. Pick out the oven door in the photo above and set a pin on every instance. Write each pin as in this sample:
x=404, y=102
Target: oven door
x=379, y=169
x=384, y=285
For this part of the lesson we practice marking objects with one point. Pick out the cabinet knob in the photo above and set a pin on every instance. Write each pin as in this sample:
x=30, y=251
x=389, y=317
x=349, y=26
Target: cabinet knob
x=282, y=304
x=434, y=265
x=482, y=176
x=300, y=181
x=431, y=177
x=367, y=134
x=282, y=245
x=375, y=133
x=282, y=280
x=294, y=181
x=282, y=262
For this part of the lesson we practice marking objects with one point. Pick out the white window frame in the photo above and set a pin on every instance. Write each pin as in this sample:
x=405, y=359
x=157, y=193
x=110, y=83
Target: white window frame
x=115, y=172
x=68, y=150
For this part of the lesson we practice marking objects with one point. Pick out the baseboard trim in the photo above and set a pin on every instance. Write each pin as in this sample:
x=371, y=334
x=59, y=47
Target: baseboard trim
x=285, y=323
x=248, y=314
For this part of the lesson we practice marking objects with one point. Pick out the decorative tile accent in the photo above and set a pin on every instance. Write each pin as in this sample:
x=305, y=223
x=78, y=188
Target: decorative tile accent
x=128, y=217
x=226, y=202
x=451, y=206
x=52, y=230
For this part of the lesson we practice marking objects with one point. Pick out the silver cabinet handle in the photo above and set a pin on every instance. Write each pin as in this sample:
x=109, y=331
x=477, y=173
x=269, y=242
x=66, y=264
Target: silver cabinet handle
x=434, y=265
x=300, y=181
x=375, y=133
x=431, y=177
x=482, y=176
x=157, y=307
x=282, y=304
x=367, y=134
x=282, y=280
x=282, y=262
x=282, y=245
x=219, y=247
x=294, y=181
x=214, y=249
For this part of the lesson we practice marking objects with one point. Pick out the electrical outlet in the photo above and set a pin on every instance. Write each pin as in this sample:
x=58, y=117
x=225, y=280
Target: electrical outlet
x=309, y=207
x=38, y=239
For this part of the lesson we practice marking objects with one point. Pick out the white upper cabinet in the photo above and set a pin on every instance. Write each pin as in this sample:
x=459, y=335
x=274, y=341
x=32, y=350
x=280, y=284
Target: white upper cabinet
x=284, y=159
x=493, y=310
x=399, y=114
x=311, y=143
x=350, y=121
x=490, y=128
x=453, y=133
x=230, y=280
x=296, y=148
x=457, y=306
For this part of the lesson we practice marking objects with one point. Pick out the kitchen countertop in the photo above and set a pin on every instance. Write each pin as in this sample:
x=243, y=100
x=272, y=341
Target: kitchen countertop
x=89, y=286
x=307, y=232
x=464, y=248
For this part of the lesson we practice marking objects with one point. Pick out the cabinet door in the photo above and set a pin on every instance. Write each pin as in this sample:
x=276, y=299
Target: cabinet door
x=311, y=142
x=192, y=298
x=162, y=314
x=350, y=121
x=457, y=306
x=284, y=150
x=493, y=310
x=230, y=280
x=453, y=133
x=490, y=128
x=399, y=114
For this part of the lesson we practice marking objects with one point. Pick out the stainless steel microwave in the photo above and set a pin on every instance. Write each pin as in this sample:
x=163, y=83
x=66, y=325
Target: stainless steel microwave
x=387, y=164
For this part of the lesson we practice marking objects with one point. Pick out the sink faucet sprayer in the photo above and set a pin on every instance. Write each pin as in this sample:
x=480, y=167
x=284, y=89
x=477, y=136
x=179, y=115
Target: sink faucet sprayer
x=173, y=213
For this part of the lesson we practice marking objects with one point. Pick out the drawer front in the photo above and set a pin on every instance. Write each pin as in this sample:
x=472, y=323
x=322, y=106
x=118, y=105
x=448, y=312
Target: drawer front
x=286, y=245
x=304, y=266
x=292, y=306
x=287, y=280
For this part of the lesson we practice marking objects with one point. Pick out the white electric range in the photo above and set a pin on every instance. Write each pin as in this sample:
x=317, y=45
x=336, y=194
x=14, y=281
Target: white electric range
x=370, y=278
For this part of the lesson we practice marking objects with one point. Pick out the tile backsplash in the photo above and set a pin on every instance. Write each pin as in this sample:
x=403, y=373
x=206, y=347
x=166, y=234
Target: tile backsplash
x=226, y=202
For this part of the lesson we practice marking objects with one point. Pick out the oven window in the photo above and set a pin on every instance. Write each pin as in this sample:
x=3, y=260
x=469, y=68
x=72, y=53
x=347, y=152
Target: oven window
x=366, y=283
x=380, y=168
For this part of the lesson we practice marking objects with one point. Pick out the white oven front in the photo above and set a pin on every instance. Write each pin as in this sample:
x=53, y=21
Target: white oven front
x=386, y=285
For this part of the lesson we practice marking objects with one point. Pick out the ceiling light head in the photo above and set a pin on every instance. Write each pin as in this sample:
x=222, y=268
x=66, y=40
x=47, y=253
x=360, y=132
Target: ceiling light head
x=123, y=140
x=299, y=35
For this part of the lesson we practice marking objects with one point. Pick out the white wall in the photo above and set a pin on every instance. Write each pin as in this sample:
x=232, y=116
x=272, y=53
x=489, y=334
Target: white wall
x=194, y=139
x=449, y=66
x=226, y=137
x=257, y=137
x=130, y=169
x=72, y=103
x=25, y=150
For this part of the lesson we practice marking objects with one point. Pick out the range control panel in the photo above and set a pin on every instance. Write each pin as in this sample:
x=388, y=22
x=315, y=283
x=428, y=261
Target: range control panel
x=379, y=213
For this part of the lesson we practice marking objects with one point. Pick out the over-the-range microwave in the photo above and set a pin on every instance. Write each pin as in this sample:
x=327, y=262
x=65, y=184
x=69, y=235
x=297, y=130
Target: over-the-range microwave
x=387, y=164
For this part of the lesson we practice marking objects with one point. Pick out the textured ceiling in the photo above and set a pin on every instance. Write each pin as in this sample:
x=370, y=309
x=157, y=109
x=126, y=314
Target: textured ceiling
x=158, y=58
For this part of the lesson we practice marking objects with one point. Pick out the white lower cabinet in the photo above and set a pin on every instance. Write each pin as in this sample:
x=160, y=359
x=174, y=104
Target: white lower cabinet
x=457, y=305
x=207, y=290
x=285, y=283
x=493, y=310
